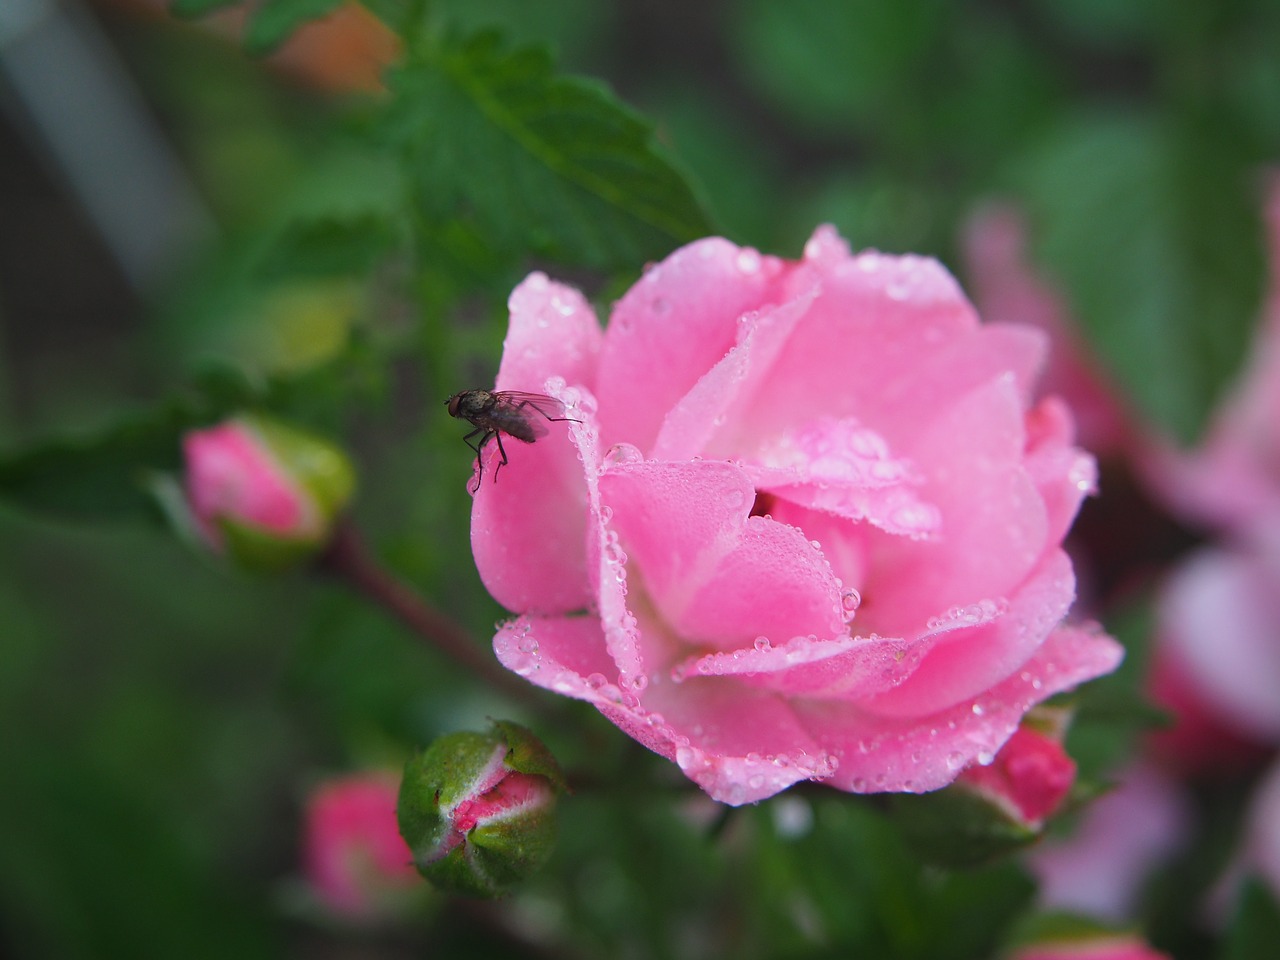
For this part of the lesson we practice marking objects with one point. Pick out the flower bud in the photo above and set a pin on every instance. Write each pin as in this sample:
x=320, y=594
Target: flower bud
x=264, y=493
x=1029, y=778
x=477, y=809
x=356, y=863
x=993, y=809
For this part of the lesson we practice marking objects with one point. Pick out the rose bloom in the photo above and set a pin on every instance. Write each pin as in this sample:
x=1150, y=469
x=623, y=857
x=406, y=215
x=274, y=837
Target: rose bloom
x=355, y=860
x=807, y=525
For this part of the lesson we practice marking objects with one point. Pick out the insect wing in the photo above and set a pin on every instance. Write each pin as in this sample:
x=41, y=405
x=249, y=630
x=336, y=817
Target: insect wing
x=525, y=415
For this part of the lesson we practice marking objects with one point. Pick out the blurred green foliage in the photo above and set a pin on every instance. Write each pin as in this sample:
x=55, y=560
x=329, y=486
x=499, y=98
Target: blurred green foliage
x=161, y=718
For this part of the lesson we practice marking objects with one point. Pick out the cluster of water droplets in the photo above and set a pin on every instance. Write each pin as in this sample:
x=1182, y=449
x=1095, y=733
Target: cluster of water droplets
x=984, y=611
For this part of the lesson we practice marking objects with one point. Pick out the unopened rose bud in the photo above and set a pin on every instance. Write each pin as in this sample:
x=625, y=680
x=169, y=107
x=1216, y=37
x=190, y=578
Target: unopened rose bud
x=264, y=493
x=995, y=808
x=1029, y=778
x=356, y=863
x=477, y=810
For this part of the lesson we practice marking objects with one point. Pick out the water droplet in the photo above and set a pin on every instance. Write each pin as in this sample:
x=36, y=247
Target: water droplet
x=621, y=453
x=748, y=260
x=985, y=757
x=763, y=643
x=527, y=645
x=657, y=720
x=850, y=601
x=562, y=306
x=606, y=513
x=597, y=680
x=955, y=761
x=978, y=710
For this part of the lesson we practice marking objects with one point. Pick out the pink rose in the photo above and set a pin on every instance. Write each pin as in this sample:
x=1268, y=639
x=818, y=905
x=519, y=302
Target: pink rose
x=809, y=525
x=355, y=860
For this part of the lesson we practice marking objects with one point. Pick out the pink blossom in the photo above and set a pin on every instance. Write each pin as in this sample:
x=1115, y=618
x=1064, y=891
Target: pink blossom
x=355, y=860
x=808, y=525
x=1099, y=870
x=1008, y=289
x=1218, y=632
x=1029, y=778
x=1101, y=946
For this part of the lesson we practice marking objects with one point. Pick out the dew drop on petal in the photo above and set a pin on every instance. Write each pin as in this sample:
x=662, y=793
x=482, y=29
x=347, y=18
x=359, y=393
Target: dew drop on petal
x=622, y=453
x=763, y=643
x=748, y=260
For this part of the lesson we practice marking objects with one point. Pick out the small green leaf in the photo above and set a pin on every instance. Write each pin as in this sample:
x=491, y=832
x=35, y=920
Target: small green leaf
x=275, y=20
x=539, y=162
x=198, y=8
x=106, y=475
x=327, y=246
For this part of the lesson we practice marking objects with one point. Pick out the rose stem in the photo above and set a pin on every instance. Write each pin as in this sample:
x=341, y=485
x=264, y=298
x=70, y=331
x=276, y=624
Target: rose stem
x=348, y=558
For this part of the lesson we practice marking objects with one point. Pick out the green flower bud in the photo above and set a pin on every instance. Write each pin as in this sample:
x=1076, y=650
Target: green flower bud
x=477, y=810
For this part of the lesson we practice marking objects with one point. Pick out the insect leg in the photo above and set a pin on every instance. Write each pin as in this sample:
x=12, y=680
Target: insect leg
x=502, y=450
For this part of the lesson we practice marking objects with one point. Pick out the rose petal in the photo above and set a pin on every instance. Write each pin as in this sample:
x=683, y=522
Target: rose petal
x=719, y=577
x=918, y=754
x=673, y=326
x=553, y=332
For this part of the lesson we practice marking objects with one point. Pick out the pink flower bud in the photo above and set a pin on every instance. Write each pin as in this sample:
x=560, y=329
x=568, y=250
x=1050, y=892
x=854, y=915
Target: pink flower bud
x=262, y=492
x=1029, y=778
x=355, y=860
x=477, y=809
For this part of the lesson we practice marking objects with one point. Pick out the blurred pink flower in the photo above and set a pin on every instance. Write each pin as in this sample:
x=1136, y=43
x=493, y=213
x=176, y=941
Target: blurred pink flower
x=809, y=524
x=355, y=859
x=1099, y=870
x=1100, y=946
x=1218, y=653
x=1233, y=477
x=1007, y=289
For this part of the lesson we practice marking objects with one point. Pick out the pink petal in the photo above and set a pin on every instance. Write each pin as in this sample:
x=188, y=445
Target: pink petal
x=1063, y=474
x=985, y=642
x=719, y=577
x=708, y=409
x=1219, y=615
x=844, y=468
x=918, y=754
x=671, y=328
x=994, y=527
x=553, y=332
x=529, y=522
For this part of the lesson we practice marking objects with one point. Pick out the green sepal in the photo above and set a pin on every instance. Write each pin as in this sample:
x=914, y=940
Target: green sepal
x=527, y=754
x=957, y=827
x=315, y=464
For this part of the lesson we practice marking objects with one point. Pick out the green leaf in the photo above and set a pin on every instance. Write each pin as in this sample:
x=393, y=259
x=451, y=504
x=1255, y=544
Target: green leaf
x=1256, y=928
x=1155, y=232
x=538, y=162
x=327, y=246
x=105, y=475
x=198, y=8
x=275, y=20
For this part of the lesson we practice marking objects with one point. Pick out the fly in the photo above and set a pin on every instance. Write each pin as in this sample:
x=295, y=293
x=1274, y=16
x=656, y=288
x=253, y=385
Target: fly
x=523, y=416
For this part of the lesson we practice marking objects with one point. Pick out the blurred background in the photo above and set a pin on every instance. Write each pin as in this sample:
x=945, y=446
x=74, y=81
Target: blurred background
x=203, y=201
